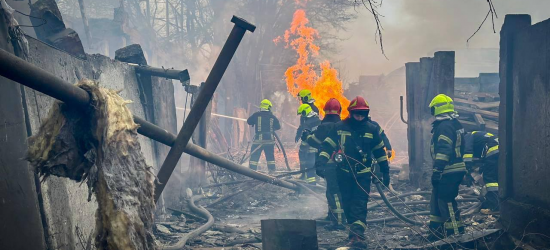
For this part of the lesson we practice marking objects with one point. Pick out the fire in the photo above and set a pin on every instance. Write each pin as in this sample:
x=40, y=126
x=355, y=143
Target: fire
x=303, y=75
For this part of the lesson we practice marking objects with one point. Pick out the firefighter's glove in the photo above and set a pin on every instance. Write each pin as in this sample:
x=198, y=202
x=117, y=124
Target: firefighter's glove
x=305, y=134
x=436, y=177
x=389, y=153
x=297, y=138
x=386, y=179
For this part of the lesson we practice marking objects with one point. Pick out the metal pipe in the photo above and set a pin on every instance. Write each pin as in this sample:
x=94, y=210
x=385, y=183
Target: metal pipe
x=401, y=110
x=202, y=101
x=17, y=69
x=181, y=75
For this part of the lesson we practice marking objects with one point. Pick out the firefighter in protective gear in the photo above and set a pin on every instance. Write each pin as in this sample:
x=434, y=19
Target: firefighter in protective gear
x=265, y=124
x=309, y=120
x=315, y=139
x=447, y=148
x=353, y=142
x=305, y=98
x=482, y=147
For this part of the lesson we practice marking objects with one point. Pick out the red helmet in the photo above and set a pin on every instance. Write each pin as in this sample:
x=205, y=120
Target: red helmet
x=332, y=107
x=358, y=104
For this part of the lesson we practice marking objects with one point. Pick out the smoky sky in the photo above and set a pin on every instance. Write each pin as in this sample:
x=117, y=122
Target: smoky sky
x=417, y=28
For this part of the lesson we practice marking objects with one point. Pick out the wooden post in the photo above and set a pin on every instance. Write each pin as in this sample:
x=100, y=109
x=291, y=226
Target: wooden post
x=289, y=234
x=412, y=70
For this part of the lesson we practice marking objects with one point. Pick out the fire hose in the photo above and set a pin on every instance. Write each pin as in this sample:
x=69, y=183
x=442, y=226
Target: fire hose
x=201, y=211
x=283, y=150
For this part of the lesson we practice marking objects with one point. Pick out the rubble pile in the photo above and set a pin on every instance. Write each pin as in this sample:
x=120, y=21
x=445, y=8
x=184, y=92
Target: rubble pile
x=244, y=205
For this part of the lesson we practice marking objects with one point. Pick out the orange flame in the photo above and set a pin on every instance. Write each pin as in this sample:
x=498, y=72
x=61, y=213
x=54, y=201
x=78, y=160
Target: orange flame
x=302, y=75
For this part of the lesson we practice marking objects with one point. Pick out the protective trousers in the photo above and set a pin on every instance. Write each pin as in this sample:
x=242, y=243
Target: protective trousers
x=355, y=189
x=268, y=147
x=307, y=155
x=444, y=213
x=490, y=177
x=334, y=198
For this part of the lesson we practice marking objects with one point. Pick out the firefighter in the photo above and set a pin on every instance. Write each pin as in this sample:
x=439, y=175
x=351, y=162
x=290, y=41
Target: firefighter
x=309, y=120
x=265, y=124
x=353, y=141
x=447, y=148
x=305, y=97
x=482, y=147
x=315, y=139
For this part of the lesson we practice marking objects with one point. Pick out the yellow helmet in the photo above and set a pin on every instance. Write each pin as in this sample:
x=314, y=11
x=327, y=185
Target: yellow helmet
x=442, y=104
x=304, y=110
x=266, y=104
x=305, y=95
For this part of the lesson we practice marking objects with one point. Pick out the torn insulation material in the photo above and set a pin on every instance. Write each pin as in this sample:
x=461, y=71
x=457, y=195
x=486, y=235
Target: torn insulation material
x=100, y=145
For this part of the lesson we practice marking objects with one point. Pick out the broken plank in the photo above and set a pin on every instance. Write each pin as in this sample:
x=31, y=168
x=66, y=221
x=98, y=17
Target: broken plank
x=472, y=112
x=480, y=122
x=479, y=105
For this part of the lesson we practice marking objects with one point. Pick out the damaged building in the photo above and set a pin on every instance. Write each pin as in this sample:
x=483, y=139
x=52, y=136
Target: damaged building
x=99, y=151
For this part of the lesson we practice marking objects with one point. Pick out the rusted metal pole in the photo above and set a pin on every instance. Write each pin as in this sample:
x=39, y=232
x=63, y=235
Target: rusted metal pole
x=205, y=95
x=181, y=75
x=17, y=69
x=401, y=110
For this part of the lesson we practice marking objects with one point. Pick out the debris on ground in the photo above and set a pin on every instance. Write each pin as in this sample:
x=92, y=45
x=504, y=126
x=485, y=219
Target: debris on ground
x=99, y=145
x=240, y=217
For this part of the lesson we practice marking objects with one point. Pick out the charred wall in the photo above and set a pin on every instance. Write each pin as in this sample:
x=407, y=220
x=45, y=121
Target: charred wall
x=70, y=218
x=524, y=128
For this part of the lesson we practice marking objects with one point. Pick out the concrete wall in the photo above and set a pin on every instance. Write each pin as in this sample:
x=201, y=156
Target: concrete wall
x=525, y=128
x=467, y=84
x=485, y=82
x=425, y=79
x=70, y=217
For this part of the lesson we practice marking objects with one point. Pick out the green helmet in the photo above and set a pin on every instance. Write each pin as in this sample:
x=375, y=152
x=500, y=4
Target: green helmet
x=442, y=104
x=304, y=110
x=266, y=104
x=305, y=95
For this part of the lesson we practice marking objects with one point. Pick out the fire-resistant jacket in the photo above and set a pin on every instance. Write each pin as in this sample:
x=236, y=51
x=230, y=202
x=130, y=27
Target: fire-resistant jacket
x=478, y=145
x=309, y=123
x=316, y=138
x=447, y=146
x=358, y=146
x=265, y=123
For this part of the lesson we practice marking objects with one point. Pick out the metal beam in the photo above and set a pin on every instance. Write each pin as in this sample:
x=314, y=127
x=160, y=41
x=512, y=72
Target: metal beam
x=204, y=97
x=17, y=69
x=180, y=75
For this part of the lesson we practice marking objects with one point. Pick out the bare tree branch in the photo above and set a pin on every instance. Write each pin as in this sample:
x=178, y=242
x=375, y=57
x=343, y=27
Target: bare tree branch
x=492, y=11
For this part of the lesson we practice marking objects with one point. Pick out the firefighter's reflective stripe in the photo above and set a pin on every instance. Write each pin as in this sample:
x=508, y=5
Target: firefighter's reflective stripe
x=271, y=125
x=457, y=167
x=453, y=218
x=271, y=162
x=450, y=226
x=381, y=159
x=366, y=170
x=339, y=211
x=442, y=157
x=458, y=144
x=312, y=150
x=360, y=223
x=368, y=135
x=345, y=170
x=492, y=186
x=343, y=135
x=311, y=179
x=492, y=151
x=325, y=154
x=259, y=125
x=331, y=142
x=380, y=131
x=254, y=163
x=379, y=146
x=436, y=219
x=445, y=138
x=314, y=138
x=304, y=144
x=468, y=157
x=263, y=142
